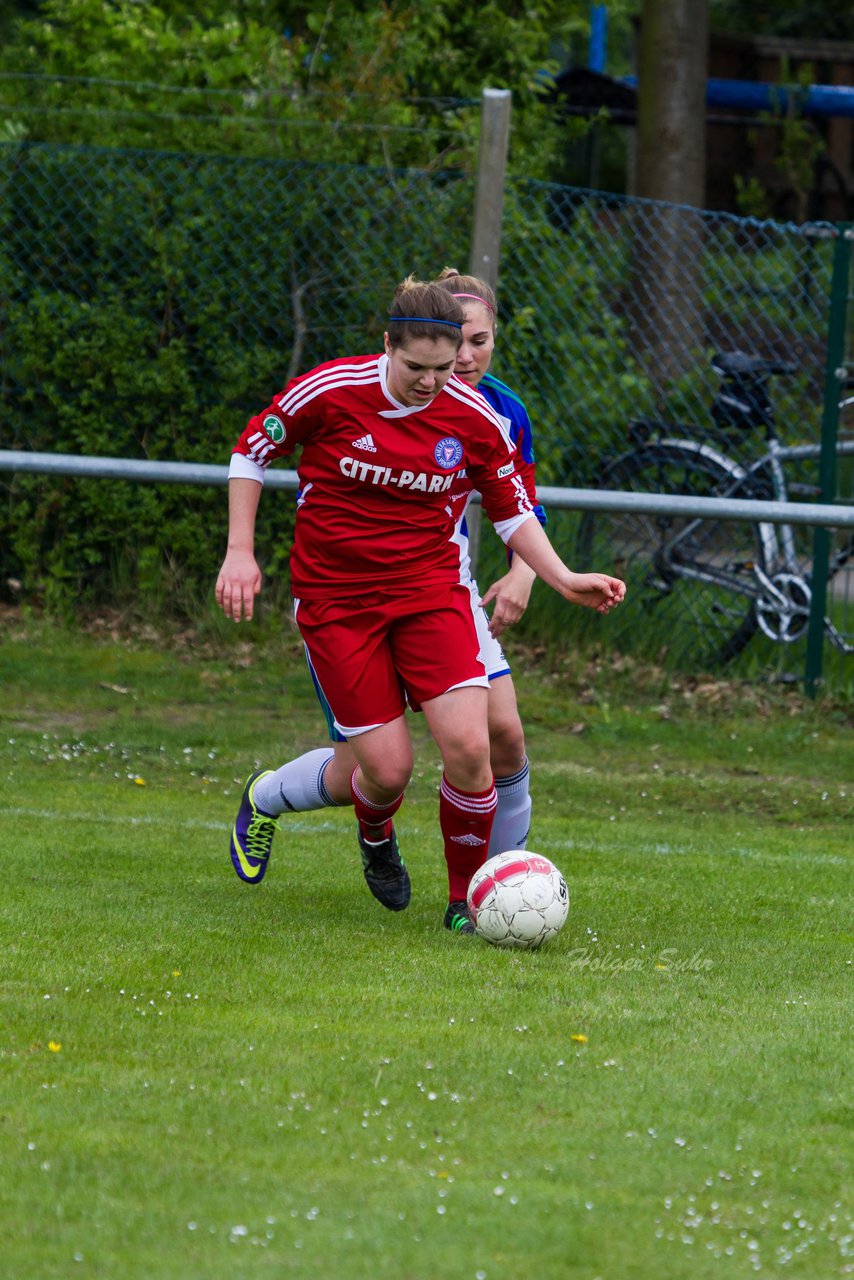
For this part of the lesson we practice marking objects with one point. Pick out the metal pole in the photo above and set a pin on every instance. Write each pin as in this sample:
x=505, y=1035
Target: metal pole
x=134, y=469
x=834, y=373
x=833, y=515
x=488, y=217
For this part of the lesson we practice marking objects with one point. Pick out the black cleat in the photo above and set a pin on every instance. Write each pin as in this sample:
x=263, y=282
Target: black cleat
x=385, y=872
x=458, y=918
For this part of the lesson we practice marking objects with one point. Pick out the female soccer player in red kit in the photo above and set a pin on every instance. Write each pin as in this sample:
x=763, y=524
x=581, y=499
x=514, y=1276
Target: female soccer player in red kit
x=375, y=576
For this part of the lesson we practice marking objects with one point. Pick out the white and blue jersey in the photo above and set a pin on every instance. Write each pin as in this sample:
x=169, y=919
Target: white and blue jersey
x=511, y=409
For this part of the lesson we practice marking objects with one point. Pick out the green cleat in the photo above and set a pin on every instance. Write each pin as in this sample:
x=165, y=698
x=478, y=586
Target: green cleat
x=252, y=835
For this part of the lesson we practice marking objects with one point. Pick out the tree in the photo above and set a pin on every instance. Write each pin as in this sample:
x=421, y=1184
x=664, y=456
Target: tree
x=672, y=73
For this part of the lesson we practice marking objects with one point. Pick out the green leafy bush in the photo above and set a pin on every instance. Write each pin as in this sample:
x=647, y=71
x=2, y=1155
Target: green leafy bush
x=151, y=302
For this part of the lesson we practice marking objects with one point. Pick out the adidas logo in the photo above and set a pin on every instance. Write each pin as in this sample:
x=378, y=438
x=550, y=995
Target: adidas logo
x=468, y=839
x=366, y=443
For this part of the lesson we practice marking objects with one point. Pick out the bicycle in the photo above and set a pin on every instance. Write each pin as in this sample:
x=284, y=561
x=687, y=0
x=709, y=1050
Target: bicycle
x=732, y=578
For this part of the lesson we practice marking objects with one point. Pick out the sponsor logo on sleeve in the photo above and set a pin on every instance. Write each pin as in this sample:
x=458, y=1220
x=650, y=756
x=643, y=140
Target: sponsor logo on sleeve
x=506, y=470
x=274, y=428
x=448, y=452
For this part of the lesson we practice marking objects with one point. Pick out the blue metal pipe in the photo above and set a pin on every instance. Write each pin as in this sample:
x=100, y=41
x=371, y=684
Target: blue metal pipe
x=754, y=95
x=598, y=34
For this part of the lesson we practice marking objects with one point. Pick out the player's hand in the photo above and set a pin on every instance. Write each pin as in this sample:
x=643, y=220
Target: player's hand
x=238, y=584
x=596, y=591
x=511, y=595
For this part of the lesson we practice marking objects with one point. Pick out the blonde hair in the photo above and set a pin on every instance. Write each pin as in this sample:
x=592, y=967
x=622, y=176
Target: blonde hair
x=424, y=309
x=462, y=286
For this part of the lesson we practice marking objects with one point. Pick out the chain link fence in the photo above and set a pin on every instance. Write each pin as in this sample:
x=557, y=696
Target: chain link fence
x=150, y=302
x=678, y=351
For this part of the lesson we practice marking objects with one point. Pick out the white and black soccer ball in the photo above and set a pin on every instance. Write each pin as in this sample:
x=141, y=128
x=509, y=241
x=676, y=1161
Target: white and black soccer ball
x=518, y=899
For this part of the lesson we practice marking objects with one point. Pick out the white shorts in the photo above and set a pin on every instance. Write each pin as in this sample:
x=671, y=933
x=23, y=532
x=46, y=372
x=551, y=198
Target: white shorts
x=491, y=653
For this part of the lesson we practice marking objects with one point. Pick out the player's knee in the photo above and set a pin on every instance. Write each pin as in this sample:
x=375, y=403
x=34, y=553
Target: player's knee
x=391, y=776
x=466, y=753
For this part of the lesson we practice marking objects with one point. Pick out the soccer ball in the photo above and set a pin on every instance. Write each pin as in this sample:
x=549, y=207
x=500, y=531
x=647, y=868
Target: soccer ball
x=518, y=899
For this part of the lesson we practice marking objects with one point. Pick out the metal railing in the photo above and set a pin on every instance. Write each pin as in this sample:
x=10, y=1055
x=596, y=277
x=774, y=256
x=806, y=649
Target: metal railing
x=822, y=515
x=703, y=511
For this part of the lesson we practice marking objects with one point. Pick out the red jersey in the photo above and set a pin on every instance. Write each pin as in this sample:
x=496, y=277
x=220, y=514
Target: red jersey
x=376, y=476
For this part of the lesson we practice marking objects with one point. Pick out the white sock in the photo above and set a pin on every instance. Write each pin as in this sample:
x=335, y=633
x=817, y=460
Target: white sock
x=297, y=786
x=513, y=817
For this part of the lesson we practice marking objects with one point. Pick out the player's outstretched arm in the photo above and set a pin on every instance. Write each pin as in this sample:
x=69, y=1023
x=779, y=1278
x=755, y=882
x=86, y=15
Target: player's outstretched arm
x=592, y=590
x=239, y=579
x=509, y=596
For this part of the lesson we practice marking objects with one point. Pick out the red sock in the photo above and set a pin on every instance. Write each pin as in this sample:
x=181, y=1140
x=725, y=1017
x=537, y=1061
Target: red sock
x=374, y=819
x=466, y=820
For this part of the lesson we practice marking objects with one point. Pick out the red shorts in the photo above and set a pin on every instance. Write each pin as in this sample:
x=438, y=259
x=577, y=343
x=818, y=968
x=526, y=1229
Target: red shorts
x=374, y=652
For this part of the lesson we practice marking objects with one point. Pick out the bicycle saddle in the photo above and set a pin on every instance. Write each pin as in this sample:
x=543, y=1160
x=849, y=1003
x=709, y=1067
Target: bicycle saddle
x=738, y=364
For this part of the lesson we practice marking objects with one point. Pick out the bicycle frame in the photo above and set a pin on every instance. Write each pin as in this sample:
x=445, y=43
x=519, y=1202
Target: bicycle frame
x=778, y=541
x=768, y=567
x=782, y=603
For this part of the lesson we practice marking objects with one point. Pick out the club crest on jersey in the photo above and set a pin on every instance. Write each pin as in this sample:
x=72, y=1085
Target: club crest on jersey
x=273, y=428
x=448, y=452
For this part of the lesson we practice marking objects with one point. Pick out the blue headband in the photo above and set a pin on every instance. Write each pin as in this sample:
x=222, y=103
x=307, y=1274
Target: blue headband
x=427, y=320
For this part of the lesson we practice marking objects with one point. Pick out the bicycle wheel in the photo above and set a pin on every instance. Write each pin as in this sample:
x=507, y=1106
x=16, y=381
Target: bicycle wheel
x=691, y=579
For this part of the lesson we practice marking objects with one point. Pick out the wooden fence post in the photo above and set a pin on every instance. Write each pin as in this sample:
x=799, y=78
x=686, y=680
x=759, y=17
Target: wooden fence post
x=488, y=216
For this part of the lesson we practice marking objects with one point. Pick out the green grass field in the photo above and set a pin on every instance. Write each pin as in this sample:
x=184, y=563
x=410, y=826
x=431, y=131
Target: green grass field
x=202, y=1078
